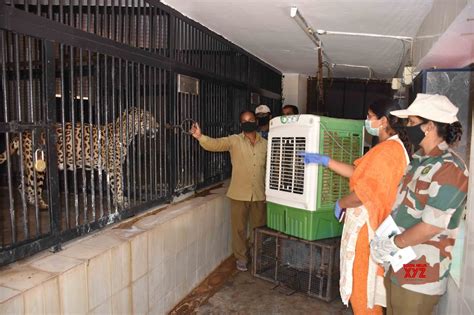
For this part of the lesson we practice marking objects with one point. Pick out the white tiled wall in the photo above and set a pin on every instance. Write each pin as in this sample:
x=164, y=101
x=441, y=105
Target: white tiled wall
x=145, y=269
x=295, y=90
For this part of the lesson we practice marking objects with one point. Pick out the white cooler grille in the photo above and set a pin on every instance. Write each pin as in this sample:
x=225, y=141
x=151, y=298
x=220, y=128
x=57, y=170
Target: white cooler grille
x=286, y=167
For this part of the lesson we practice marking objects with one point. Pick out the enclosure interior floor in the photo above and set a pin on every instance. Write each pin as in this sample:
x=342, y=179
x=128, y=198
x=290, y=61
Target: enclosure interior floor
x=228, y=291
x=34, y=227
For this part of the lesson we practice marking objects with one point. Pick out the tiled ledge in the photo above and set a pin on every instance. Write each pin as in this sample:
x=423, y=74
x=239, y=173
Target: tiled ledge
x=143, y=268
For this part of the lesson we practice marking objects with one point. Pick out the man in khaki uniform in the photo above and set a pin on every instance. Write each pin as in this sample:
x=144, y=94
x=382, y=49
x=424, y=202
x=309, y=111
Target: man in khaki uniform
x=248, y=151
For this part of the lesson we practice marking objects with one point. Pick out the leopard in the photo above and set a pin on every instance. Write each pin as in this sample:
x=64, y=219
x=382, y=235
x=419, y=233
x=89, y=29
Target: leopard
x=105, y=149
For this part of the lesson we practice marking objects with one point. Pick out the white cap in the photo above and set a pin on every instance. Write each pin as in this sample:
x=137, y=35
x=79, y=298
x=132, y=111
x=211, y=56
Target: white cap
x=433, y=107
x=262, y=109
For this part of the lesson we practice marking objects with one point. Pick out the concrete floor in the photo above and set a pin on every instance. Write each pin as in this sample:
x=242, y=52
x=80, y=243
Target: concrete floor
x=244, y=294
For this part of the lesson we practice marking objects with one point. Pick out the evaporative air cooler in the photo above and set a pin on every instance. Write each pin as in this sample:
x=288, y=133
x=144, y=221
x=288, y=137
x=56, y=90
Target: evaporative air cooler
x=301, y=198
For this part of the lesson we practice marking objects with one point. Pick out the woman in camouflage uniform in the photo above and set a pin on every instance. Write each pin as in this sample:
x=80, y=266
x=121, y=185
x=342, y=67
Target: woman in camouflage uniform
x=429, y=205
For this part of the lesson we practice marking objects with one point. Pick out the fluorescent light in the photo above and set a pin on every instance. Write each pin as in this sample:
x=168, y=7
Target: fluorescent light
x=293, y=11
x=301, y=21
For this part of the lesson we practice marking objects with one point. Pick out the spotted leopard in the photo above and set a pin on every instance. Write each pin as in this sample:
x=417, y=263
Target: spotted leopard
x=110, y=159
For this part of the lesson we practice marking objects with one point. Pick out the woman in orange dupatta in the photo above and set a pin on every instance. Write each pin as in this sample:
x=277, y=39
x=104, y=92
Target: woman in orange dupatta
x=374, y=179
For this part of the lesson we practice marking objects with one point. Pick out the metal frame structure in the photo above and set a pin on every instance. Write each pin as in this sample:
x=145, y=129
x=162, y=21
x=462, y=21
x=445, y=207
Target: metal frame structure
x=67, y=68
x=311, y=267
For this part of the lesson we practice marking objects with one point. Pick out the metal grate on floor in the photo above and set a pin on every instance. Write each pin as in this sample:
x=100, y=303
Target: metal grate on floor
x=311, y=267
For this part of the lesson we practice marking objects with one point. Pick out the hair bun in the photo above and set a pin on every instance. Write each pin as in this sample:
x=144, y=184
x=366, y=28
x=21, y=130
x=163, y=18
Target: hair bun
x=453, y=133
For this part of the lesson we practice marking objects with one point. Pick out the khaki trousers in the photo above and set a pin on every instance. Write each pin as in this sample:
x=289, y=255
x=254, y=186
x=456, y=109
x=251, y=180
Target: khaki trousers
x=241, y=211
x=401, y=301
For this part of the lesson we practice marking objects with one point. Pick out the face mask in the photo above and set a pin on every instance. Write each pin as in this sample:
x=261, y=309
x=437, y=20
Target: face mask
x=415, y=134
x=248, y=126
x=370, y=130
x=262, y=121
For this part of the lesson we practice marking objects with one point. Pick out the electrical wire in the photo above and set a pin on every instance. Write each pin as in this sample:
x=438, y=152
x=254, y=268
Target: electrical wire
x=371, y=72
x=400, y=63
x=330, y=73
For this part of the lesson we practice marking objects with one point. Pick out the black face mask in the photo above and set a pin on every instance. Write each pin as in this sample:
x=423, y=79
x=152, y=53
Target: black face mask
x=415, y=134
x=262, y=121
x=248, y=126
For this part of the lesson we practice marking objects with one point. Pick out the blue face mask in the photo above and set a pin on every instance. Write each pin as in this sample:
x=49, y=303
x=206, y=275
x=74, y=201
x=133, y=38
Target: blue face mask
x=370, y=130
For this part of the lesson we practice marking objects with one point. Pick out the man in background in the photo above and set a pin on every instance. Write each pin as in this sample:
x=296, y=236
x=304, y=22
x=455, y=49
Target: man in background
x=288, y=109
x=264, y=116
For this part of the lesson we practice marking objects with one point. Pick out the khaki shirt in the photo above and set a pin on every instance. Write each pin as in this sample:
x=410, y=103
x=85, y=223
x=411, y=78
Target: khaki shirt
x=248, y=164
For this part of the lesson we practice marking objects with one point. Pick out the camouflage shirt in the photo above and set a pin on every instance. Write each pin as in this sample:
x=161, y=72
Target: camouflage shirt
x=433, y=191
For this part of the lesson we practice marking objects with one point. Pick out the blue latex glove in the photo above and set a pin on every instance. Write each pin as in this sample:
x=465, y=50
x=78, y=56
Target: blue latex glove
x=338, y=211
x=315, y=158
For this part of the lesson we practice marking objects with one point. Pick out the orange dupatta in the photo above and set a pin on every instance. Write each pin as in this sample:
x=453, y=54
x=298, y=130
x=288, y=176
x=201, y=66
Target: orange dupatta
x=376, y=177
x=374, y=181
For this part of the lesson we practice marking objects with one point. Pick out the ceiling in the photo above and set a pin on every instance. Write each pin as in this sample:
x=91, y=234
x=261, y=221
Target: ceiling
x=265, y=29
x=455, y=47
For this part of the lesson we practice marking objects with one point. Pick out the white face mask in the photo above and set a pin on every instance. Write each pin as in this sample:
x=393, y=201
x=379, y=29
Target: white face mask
x=372, y=131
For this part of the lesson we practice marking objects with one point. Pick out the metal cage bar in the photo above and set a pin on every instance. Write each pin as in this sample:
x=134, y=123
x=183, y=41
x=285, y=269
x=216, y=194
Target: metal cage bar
x=107, y=83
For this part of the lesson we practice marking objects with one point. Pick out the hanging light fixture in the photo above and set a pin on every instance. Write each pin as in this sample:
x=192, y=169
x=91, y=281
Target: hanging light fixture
x=301, y=21
x=303, y=24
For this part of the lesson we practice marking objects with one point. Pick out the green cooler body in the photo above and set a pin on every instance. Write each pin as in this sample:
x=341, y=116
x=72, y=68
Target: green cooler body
x=301, y=198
